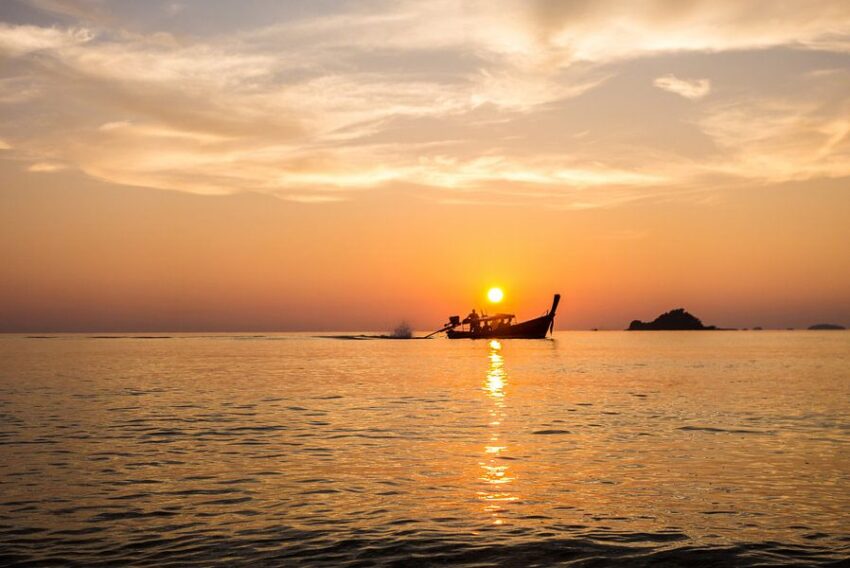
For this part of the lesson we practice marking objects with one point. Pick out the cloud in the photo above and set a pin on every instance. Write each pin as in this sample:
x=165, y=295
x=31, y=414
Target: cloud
x=86, y=10
x=688, y=88
x=310, y=198
x=14, y=90
x=5, y=145
x=610, y=29
x=45, y=167
x=779, y=139
x=490, y=100
x=20, y=40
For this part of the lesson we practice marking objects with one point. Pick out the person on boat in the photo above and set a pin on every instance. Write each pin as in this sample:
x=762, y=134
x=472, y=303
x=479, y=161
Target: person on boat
x=473, y=321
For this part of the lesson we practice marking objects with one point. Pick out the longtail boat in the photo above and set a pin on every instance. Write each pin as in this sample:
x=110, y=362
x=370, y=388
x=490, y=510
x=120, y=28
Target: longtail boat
x=500, y=326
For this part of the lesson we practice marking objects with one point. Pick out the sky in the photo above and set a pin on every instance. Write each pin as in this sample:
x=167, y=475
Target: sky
x=333, y=165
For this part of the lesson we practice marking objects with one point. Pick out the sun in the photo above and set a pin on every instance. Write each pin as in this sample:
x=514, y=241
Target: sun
x=495, y=295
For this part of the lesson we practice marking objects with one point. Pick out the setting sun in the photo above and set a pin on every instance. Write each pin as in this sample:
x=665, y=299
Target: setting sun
x=495, y=295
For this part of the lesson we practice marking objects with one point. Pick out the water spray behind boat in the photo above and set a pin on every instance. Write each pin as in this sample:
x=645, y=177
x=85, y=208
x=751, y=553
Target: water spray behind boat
x=402, y=331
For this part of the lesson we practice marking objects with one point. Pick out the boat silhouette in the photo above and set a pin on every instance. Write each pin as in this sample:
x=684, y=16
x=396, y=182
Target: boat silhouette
x=500, y=326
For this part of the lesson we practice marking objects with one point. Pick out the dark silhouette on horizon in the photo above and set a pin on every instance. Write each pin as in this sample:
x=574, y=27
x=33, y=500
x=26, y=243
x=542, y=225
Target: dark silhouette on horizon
x=500, y=326
x=826, y=326
x=674, y=320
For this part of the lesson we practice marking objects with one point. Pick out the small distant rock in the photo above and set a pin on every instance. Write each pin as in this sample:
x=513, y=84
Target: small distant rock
x=674, y=320
x=822, y=326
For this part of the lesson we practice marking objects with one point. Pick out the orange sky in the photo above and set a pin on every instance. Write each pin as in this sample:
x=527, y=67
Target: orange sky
x=188, y=167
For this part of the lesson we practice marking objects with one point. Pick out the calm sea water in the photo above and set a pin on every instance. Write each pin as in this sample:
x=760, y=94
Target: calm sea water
x=721, y=448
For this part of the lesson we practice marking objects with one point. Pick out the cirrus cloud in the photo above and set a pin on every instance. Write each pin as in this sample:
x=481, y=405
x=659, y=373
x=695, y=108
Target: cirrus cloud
x=489, y=99
x=688, y=88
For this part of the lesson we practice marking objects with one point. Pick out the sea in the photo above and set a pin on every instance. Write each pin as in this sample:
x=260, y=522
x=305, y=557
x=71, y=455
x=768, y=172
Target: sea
x=724, y=448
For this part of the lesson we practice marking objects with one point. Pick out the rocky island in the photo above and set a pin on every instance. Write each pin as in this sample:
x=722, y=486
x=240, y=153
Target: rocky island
x=674, y=320
x=821, y=326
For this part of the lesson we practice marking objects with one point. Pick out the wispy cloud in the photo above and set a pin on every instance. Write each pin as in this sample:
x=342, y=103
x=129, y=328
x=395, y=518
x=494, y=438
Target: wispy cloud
x=21, y=40
x=485, y=98
x=88, y=11
x=781, y=140
x=605, y=29
x=45, y=167
x=688, y=88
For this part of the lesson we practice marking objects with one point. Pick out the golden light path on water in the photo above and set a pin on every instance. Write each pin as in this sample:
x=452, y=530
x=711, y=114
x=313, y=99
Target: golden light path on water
x=496, y=473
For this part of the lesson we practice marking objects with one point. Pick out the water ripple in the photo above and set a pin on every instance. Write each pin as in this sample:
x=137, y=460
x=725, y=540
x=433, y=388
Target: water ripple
x=594, y=449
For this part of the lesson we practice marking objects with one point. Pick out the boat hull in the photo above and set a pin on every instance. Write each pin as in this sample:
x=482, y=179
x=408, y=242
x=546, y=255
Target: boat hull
x=532, y=329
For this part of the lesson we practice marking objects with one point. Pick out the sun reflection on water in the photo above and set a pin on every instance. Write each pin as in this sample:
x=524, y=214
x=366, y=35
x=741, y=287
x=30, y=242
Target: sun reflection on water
x=495, y=473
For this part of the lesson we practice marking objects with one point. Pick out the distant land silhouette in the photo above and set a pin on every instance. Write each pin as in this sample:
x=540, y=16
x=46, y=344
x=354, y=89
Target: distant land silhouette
x=673, y=320
x=827, y=326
